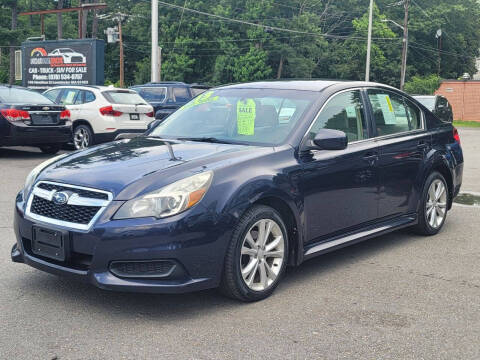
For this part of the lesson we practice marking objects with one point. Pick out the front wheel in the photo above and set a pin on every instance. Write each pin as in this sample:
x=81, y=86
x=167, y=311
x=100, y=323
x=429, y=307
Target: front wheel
x=257, y=255
x=50, y=149
x=434, y=205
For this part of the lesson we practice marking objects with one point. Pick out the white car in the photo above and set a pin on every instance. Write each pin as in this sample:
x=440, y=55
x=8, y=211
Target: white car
x=69, y=56
x=101, y=113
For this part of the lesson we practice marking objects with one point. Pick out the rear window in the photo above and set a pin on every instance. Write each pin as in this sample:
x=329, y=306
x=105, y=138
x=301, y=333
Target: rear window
x=123, y=97
x=155, y=94
x=22, y=96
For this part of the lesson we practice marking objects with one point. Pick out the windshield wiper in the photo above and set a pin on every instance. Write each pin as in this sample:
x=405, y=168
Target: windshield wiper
x=206, y=139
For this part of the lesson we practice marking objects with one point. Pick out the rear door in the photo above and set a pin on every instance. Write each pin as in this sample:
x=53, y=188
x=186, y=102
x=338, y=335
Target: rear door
x=341, y=187
x=136, y=113
x=72, y=99
x=403, y=143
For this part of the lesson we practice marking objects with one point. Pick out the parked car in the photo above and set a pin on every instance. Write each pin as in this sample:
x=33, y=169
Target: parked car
x=168, y=96
x=28, y=118
x=438, y=105
x=101, y=113
x=222, y=193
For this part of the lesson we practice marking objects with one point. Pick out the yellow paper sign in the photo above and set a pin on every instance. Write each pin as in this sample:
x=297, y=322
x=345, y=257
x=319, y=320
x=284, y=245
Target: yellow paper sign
x=246, y=117
x=206, y=97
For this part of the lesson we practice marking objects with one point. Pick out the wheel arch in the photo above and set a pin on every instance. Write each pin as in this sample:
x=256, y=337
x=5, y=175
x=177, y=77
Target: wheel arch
x=440, y=164
x=82, y=122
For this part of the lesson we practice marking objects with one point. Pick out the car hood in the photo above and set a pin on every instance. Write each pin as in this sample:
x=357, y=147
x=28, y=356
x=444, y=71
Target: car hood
x=129, y=167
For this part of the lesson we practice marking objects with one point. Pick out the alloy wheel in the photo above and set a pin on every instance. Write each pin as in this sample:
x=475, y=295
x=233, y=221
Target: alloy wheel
x=81, y=138
x=262, y=254
x=436, y=204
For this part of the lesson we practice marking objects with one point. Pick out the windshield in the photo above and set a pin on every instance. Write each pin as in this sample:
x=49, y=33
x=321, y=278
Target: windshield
x=22, y=96
x=155, y=94
x=66, y=50
x=123, y=97
x=251, y=116
x=427, y=101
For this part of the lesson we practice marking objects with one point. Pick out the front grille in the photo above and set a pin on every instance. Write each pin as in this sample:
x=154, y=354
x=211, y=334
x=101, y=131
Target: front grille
x=76, y=59
x=80, y=192
x=69, y=213
x=139, y=269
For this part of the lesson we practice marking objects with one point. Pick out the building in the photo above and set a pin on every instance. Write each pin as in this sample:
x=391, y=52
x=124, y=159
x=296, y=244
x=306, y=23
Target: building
x=464, y=96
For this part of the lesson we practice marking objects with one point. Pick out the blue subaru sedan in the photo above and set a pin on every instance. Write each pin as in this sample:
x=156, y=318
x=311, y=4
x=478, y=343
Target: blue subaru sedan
x=239, y=183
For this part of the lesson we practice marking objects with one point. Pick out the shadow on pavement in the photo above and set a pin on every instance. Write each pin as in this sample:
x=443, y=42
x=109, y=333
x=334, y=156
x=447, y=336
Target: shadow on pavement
x=82, y=297
x=23, y=153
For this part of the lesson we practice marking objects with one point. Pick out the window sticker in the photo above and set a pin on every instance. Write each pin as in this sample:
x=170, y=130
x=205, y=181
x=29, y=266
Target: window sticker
x=69, y=98
x=351, y=111
x=206, y=97
x=387, y=109
x=246, y=117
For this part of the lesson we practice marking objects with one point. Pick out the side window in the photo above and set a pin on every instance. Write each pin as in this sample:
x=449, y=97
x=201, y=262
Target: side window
x=68, y=96
x=343, y=112
x=414, y=115
x=79, y=97
x=391, y=114
x=89, y=96
x=52, y=94
x=181, y=94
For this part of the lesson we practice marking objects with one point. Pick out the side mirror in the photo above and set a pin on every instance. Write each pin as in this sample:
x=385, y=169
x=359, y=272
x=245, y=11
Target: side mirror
x=328, y=139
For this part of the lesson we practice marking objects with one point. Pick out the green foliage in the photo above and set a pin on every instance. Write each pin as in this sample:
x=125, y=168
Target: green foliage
x=198, y=48
x=423, y=85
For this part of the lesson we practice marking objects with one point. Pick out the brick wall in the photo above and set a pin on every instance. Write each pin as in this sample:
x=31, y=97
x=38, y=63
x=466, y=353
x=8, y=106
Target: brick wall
x=464, y=96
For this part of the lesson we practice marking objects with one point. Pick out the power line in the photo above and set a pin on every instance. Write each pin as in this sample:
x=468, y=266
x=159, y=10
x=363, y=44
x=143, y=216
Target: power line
x=266, y=27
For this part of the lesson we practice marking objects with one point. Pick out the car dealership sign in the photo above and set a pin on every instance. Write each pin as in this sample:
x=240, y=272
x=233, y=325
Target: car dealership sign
x=63, y=62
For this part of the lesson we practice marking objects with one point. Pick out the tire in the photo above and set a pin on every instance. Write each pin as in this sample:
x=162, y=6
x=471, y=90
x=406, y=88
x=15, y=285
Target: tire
x=50, y=149
x=269, y=259
x=426, y=213
x=82, y=137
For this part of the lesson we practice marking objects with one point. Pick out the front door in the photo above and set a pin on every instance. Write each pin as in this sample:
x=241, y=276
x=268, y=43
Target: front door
x=403, y=143
x=340, y=187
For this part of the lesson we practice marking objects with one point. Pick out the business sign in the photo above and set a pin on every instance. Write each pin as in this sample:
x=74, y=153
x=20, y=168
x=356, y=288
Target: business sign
x=63, y=62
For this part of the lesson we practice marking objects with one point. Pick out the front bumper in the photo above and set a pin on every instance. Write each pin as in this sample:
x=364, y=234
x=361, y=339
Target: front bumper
x=26, y=135
x=195, y=243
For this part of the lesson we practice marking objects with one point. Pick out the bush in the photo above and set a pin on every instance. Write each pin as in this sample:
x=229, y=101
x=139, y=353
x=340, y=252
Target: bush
x=423, y=85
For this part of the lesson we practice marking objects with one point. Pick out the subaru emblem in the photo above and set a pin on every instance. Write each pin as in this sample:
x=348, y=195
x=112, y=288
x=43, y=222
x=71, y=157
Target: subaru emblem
x=60, y=198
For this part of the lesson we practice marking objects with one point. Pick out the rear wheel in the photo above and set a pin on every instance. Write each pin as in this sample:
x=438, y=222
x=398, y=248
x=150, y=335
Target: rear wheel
x=433, y=207
x=82, y=137
x=50, y=149
x=257, y=255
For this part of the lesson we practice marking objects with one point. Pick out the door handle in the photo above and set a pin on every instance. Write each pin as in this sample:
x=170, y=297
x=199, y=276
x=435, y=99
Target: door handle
x=422, y=145
x=371, y=158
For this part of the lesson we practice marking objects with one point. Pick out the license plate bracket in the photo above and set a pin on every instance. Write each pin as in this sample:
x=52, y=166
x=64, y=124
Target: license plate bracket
x=49, y=243
x=134, y=116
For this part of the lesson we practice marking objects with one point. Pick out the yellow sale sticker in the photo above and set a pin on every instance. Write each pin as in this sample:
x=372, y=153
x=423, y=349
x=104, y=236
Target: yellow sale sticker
x=246, y=117
x=206, y=97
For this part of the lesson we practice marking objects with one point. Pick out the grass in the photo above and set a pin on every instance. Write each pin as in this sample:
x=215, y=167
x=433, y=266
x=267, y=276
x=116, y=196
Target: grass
x=473, y=124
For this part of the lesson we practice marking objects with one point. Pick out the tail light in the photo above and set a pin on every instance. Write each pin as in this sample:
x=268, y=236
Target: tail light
x=108, y=110
x=15, y=114
x=65, y=115
x=456, y=136
x=149, y=114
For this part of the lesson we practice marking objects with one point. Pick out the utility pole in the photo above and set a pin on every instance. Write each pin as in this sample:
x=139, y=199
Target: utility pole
x=154, y=58
x=369, y=42
x=405, y=45
x=438, y=35
x=120, y=39
x=159, y=63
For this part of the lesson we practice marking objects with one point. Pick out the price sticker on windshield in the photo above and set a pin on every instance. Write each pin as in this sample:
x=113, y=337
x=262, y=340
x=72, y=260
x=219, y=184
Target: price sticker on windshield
x=246, y=117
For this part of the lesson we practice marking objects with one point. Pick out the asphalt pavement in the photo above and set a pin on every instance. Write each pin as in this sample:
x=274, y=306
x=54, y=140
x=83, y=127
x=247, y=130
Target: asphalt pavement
x=399, y=296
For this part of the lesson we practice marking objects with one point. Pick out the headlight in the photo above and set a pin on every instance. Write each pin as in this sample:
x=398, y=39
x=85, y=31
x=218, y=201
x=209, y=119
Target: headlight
x=36, y=171
x=169, y=200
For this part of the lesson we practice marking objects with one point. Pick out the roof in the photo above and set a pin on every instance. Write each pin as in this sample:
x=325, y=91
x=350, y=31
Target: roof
x=308, y=85
x=98, y=87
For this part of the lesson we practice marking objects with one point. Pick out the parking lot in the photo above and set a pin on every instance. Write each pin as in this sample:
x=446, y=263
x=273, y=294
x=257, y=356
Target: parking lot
x=400, y=296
